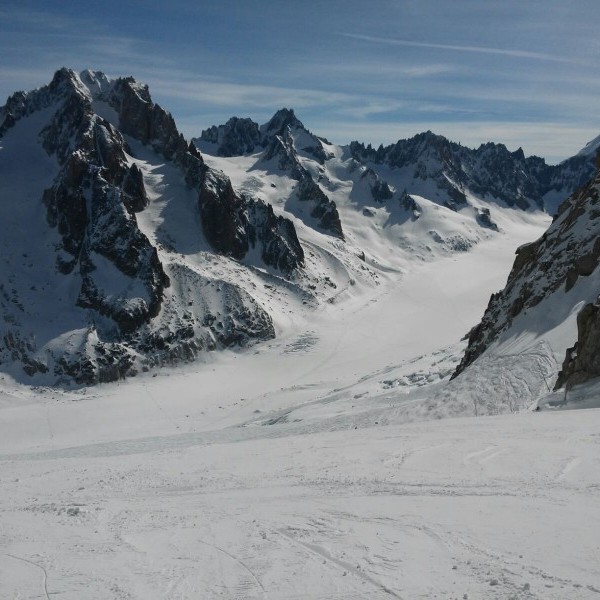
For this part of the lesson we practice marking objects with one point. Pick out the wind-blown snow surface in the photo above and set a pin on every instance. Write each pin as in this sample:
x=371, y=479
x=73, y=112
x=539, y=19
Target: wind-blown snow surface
x=290, y=470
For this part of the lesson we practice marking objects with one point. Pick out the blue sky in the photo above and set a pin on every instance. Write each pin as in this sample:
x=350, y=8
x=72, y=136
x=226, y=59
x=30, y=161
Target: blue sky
x=525, y=73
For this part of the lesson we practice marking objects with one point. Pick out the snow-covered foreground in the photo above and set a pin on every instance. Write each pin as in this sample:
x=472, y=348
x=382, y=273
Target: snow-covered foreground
x=494, y=507
x=292, y=471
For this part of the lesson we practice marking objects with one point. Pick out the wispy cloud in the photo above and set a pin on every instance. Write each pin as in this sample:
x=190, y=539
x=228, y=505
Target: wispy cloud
x=349, y=85
x=368, y=68
x=210, y=92
x=461, y=48
x=251, y=95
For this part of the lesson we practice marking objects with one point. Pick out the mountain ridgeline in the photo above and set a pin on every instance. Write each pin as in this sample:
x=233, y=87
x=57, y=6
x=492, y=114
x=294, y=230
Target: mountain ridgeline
x=127, y=248
x=490, y=171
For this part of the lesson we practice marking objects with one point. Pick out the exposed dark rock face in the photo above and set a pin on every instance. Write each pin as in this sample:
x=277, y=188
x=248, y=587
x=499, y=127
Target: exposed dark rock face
x=20, y=350
x=323, y=209
x=113, y=235
x=147, y=122
x=233, y=224
x=280, y=247
x=380, y=189
x=484, y=218
x=134, y=192
x=488, y=171
x=569, y=249
x=222, y=216
x=582, y=361
x=237, y=136
x=102, y=363
x=410, y=205
x=92, y=203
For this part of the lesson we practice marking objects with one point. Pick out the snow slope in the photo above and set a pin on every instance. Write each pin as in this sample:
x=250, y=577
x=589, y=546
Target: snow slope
x=185, y=499
x=290, y=471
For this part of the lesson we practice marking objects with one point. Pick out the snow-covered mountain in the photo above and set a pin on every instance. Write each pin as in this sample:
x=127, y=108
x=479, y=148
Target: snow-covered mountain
x=414, y=208
x=121, y=247
x=290, y=469
x=283, y=140
x=127, y=248
x=427, y=161
x=425, y=197
x=490, y=171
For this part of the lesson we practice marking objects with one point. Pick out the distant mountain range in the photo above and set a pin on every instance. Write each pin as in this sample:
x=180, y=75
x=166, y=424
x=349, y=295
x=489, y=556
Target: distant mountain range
x=490, y=172
x=128, y=247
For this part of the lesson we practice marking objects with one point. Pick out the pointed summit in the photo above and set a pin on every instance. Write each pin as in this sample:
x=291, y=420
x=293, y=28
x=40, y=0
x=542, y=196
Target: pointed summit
x=237, y=136
x=283, y=118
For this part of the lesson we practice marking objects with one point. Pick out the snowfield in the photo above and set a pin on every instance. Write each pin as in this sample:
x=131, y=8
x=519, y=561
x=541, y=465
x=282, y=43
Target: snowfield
x=496, y=507
x=302, y=468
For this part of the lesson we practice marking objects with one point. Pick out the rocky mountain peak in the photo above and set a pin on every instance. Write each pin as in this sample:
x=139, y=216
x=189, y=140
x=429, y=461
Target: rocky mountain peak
x=490, y=171
x=284, y=117
x=285, y=143
x=237, y=136
x=95, y=134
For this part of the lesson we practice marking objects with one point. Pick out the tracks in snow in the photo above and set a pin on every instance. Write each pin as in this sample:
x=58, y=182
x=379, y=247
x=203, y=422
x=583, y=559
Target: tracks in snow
x=40, y=567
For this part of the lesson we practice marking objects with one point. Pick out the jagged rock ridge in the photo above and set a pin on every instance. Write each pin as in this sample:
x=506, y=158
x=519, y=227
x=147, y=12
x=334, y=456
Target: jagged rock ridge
x=488, y=171
x=550, y=267
x=427, y=165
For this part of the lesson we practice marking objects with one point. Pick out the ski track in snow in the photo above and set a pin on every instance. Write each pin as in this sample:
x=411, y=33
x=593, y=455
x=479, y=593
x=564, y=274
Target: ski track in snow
x=40, y=567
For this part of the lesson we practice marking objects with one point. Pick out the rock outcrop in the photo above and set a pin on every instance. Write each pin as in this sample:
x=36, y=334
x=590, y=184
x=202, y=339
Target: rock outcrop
x=234, y=224
x=582, y=361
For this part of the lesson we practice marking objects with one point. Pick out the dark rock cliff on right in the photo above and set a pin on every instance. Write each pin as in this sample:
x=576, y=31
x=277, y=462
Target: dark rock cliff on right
x=582, y=361
x=551, y=278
